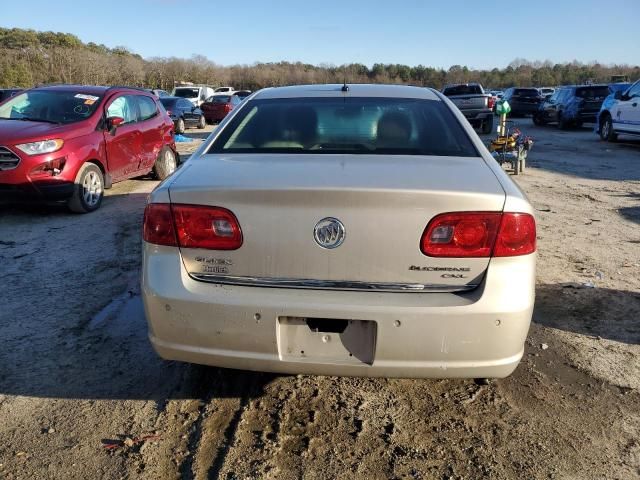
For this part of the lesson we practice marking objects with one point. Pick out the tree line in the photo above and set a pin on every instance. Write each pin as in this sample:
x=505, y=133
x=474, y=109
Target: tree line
x=29, y=58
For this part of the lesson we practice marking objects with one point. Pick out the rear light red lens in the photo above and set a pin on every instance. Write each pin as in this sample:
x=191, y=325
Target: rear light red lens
x=464, y=234
x=158, y=225
x=213, y=228
x=191, y=226
x=227, y=107
x=490, y=102
x=517, y=235
x=479, y=234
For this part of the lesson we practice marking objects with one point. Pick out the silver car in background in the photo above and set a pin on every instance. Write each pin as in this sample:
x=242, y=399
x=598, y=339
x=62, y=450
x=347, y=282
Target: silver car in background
x=333, y=230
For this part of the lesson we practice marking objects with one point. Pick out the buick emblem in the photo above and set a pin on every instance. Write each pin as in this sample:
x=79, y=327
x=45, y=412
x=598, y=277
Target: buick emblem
x=329, y=232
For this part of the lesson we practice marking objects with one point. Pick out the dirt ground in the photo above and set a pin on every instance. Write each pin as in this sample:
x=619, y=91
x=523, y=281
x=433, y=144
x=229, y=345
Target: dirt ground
x=83, y=396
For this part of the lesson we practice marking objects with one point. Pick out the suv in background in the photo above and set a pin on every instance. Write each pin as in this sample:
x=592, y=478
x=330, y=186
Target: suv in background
x=523, y=101
x=196, y=94
x=620, y=114
x=223, y=90
x=69, y=142
x=183, y=113
x=218, y=106
x=572, y=105
x=473, y=103
x=546, y=92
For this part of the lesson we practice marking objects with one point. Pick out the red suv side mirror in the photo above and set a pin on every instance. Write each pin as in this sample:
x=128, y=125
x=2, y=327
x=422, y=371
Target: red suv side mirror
x=113, y=123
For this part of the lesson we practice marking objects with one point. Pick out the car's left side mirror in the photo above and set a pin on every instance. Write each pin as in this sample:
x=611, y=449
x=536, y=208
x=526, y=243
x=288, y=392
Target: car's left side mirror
x=113, y=123
x=618, y=95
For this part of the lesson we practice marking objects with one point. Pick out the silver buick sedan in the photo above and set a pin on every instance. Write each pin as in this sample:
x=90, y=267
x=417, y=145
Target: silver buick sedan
x=356, y=230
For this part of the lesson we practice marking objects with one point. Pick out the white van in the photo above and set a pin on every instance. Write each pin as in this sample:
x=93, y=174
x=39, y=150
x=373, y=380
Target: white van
x=196, y=94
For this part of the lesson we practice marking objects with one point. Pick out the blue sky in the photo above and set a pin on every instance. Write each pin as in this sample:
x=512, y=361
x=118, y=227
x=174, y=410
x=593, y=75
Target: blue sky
x=476, y=33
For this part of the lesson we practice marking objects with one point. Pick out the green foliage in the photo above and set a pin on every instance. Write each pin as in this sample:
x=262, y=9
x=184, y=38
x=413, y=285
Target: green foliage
x=28, y=58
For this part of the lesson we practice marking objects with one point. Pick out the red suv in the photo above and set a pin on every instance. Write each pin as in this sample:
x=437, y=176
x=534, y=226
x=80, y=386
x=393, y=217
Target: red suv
x=69, y=143
x=217, y=107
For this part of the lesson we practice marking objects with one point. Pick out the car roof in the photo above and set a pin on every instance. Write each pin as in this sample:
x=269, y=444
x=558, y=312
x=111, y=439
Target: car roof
x=90, y=89
x=583, y=86
x=355, y=90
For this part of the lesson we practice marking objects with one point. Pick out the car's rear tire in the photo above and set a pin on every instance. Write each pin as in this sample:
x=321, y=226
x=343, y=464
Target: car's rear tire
x=88, y=189
x=202, y=122
x=562, y=123
x=165, y=164
x=606, y=129
x=180, y=127
x=539, y=120
x=487, y=125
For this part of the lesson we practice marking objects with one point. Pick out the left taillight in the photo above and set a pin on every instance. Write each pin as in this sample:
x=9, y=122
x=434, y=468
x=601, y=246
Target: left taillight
x=192, y=226
x=479, y=234
x=158, y=225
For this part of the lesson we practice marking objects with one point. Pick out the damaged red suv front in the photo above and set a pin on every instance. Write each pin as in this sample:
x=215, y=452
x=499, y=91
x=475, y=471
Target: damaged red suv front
x=68, y=143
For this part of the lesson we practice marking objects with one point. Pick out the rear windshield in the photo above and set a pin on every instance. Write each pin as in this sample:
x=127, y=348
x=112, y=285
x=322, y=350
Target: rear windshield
x=186, y=92
x=463, y=90
x=50, y=106
x=526, y=92
x=167, y=102
x=618, y=87
x=392, y=126
x=219, y=99
x=592, y=92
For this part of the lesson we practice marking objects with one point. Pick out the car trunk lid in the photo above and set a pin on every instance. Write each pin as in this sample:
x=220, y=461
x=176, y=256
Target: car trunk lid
x=384, y=203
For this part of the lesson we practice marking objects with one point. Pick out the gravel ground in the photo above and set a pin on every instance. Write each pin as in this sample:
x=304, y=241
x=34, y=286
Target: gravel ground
x=82, y=395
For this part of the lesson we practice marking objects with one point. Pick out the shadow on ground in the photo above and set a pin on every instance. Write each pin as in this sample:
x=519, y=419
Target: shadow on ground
x=598, y=312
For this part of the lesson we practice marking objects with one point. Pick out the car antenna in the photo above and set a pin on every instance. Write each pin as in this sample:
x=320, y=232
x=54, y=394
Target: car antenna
x=345, y=87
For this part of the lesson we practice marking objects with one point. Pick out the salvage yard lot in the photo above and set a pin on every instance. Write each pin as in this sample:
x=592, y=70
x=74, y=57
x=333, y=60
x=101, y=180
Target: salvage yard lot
x=82, y=395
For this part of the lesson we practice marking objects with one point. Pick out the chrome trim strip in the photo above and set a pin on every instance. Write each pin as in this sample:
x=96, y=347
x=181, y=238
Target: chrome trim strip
x=328, y=284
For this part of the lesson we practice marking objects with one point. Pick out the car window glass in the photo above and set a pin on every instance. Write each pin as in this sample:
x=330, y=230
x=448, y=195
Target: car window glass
x=592, y=92
x=186, y=92
x=462, y=90
x=124, y=107
x=634, y=91
x=147, y=108
x=386, y=126
x=50, y=106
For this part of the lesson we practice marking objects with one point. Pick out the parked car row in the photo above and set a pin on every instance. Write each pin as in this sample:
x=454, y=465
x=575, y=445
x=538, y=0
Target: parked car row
x=67, y=143
x=614, y=108
x=194, y=106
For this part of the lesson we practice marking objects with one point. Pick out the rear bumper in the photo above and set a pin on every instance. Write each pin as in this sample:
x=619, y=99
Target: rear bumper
x=477, y=115
x=525, y=108
x=214, y=116
x=475, y=334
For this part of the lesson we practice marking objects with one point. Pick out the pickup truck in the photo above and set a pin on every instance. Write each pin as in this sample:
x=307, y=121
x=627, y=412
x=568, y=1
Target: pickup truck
x=475, y=105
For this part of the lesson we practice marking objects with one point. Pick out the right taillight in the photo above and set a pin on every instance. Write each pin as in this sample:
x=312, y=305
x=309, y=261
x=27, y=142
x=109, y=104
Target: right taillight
x=191, y=226
x=517, y=235
x=490, y=102
x=479, y=234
